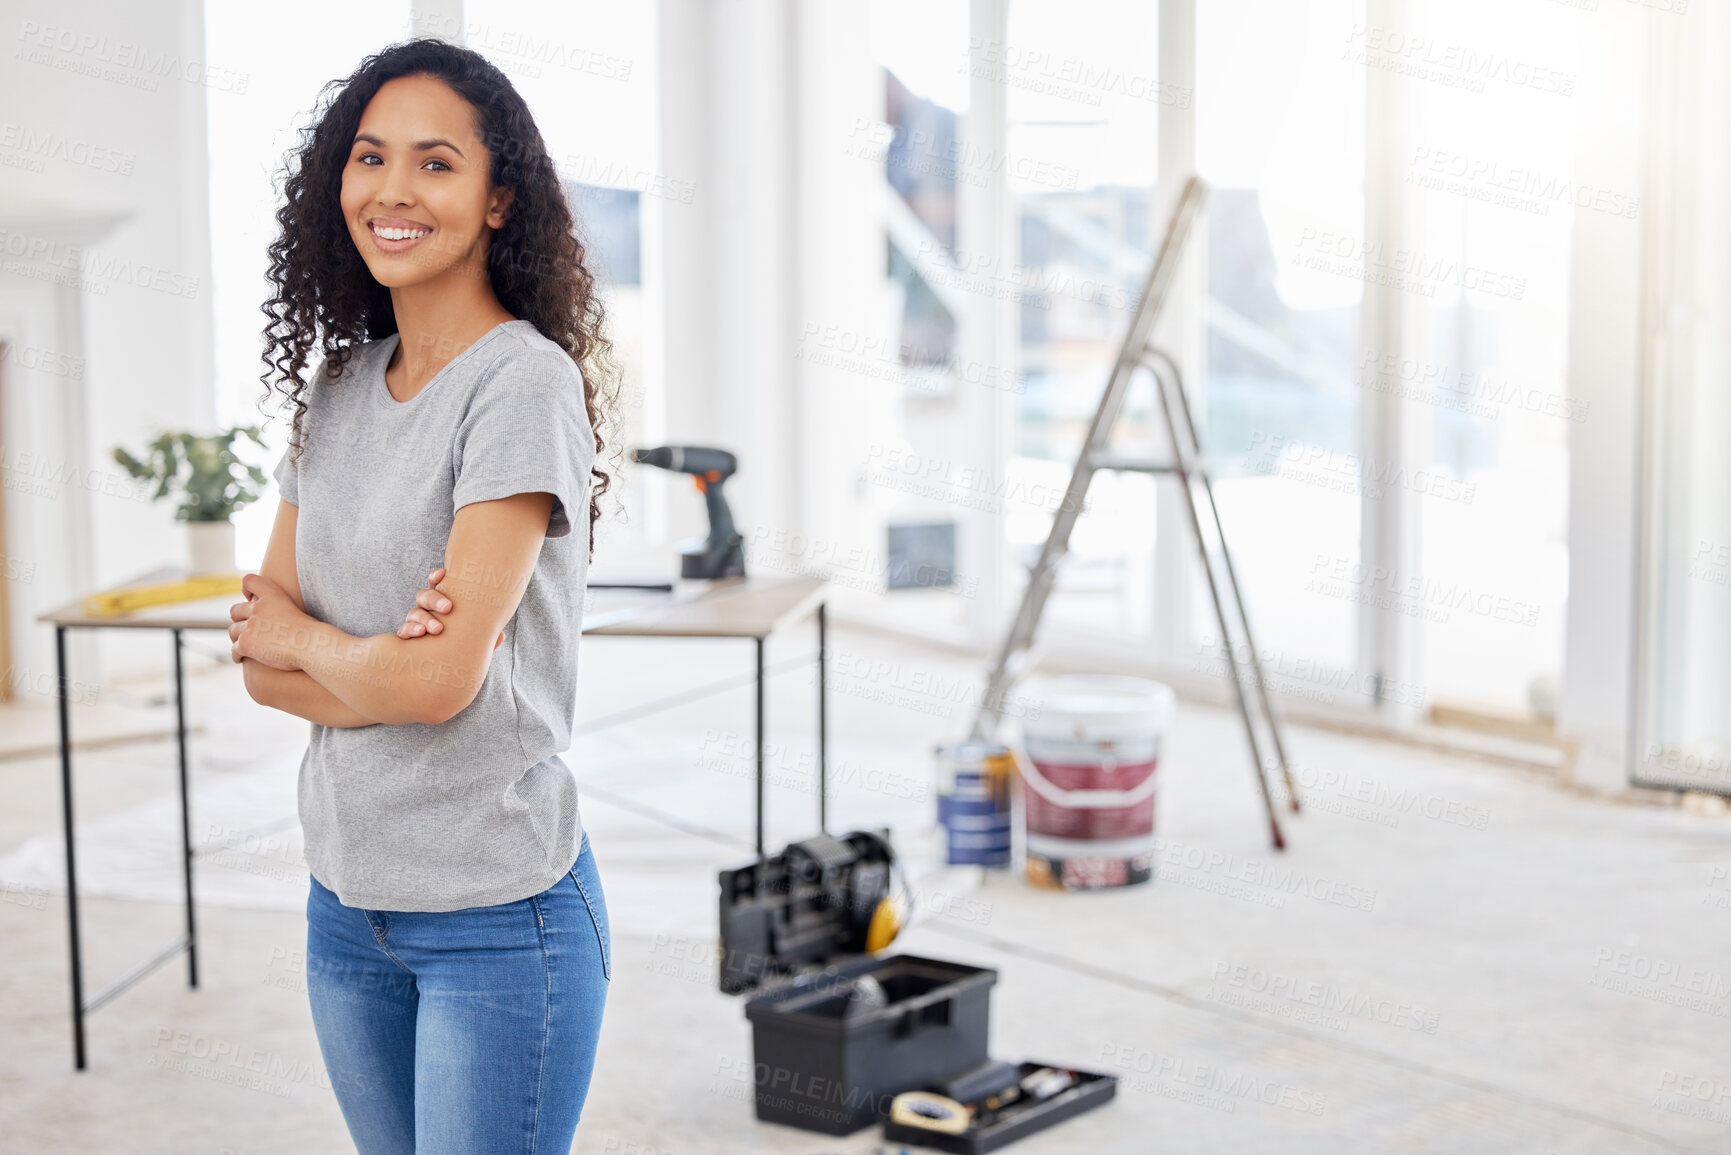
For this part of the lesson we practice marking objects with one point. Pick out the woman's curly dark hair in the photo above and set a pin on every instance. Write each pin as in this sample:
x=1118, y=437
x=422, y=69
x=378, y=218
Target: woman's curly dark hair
x=325, y=295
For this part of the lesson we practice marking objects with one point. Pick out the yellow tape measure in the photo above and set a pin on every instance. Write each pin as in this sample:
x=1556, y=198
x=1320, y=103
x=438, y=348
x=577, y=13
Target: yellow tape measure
x=117, y=602
x=930, y=1112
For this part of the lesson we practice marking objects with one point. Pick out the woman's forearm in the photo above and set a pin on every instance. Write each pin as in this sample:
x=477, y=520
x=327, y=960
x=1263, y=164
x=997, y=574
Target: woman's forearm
x=295, y=692
x=389, y=679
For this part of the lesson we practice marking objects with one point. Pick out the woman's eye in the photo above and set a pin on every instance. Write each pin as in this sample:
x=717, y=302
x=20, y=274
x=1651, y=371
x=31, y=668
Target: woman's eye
x=373, y=159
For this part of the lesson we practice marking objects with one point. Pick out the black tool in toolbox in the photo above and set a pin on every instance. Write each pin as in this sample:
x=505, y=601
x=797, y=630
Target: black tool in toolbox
x=838, y=1034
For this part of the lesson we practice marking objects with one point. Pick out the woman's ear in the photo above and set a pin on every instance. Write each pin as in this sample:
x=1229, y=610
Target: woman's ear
x=496, y=206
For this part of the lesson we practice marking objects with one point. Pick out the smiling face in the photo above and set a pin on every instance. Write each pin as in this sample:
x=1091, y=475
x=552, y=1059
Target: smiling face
x=415, y=193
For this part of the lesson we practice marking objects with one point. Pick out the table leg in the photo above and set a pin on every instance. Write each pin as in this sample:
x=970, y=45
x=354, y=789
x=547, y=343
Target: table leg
x=758, y=745
x=822, y=734
x=71, y=856
x=185, y=814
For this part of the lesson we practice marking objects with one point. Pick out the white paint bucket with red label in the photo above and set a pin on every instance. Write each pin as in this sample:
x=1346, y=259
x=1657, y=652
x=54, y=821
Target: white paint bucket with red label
x=1087, y=764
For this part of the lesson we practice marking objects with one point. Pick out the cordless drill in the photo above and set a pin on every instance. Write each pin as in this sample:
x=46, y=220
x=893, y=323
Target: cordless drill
x=722, y=553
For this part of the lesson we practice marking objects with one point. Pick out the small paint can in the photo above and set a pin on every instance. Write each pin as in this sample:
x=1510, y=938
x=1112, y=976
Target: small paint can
x=974, y=802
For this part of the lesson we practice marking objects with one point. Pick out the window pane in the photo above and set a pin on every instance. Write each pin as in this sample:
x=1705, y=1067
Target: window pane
x=1083, y=100
x=1280, y=138
x=1490, y=173
x=898, y=360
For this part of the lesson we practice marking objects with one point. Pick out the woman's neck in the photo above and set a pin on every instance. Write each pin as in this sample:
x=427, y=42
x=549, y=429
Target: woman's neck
x=437, y=320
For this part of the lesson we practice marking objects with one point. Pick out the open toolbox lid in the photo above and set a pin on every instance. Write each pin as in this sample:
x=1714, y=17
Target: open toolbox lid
x=805, y=908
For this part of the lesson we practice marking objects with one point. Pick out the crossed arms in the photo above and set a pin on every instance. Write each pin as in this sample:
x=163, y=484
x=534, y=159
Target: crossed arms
x=298, y=664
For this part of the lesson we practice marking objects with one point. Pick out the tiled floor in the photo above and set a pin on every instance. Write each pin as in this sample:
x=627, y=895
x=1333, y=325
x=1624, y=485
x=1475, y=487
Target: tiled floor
x=1450, y=958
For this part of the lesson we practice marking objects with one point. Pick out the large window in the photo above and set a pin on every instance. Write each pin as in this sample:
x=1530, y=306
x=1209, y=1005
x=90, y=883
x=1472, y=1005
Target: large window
x=1280, y=138
x=919, y=470
x=1489, y=166
x=1083, y=104
x=1418, y=558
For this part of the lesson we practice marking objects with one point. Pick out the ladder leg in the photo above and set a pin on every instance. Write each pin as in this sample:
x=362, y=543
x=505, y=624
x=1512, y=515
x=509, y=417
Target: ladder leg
x=1232, y=663
x=1255, y=660
x=1184, y=473
x=1237, y=591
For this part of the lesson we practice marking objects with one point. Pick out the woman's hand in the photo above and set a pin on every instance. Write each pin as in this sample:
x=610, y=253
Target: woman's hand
x=264, y=625
x=429, y=602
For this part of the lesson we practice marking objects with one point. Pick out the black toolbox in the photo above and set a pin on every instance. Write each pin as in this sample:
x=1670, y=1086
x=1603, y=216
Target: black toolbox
x=837, y=1034
x=828, y=1059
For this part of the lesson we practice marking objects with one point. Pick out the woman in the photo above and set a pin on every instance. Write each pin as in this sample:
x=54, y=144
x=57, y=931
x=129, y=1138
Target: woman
x=458, y=953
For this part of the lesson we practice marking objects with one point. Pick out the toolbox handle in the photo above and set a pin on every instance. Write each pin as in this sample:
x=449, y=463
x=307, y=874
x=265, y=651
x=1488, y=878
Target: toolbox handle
x=935, y=1013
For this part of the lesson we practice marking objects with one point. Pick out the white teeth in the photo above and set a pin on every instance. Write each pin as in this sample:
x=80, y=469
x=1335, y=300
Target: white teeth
x=399, y=234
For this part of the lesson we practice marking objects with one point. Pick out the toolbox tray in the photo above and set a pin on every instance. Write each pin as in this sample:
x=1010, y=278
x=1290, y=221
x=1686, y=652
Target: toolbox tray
x=1093, y=1090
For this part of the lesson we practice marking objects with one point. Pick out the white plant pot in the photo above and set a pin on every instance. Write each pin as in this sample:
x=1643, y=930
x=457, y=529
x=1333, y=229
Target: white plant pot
x=210, y=547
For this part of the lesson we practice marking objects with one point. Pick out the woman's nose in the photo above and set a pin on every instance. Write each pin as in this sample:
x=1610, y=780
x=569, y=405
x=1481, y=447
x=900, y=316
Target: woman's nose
x=396, y=187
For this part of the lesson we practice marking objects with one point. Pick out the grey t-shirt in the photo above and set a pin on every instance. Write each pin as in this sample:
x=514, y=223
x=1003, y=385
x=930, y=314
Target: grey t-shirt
x=478, y=810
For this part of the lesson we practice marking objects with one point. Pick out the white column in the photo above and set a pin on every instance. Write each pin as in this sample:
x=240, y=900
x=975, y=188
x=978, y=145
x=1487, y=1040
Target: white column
x=1182, y=332
x=1392, y=432
x=838, y=222
x=987, y=333
x=726, y=264
x=1606, y=307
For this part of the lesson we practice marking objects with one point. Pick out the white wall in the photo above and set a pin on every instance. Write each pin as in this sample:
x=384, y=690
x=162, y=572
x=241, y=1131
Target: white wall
x=102, y=113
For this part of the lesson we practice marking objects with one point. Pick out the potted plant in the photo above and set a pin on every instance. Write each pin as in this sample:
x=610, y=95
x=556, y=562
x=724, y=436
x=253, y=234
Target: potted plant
x=215, y=483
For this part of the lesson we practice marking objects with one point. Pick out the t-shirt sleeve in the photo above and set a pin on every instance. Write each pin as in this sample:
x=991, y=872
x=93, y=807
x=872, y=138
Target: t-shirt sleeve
x=288, y=478
x=527, y=431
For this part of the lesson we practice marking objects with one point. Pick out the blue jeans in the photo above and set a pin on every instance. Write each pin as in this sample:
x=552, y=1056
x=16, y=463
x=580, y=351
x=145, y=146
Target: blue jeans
x=462, y=1031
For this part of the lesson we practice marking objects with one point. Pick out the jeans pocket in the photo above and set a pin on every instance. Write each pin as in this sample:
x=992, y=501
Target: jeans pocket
x=588, y=882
